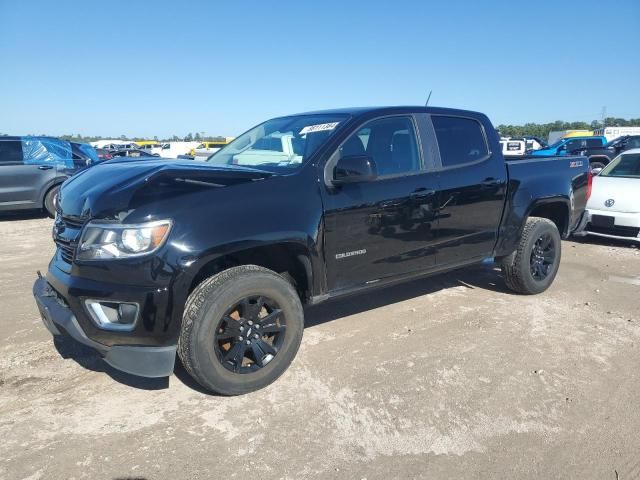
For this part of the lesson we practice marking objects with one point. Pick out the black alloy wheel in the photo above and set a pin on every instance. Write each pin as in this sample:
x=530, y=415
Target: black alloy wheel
x=543, y=257
x=250, y=334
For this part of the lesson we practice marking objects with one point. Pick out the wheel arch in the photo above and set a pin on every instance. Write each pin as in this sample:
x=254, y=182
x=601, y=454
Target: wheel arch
x=292, y=260
x=600, y=158
x=555, y=209
x=46, y=188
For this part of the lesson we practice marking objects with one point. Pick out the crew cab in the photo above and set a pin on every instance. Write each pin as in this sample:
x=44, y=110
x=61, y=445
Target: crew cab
x=567, y=145
x=600, y=156
x=215, y=260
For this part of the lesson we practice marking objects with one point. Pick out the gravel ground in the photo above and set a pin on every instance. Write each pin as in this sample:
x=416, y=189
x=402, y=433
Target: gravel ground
x=449, y=377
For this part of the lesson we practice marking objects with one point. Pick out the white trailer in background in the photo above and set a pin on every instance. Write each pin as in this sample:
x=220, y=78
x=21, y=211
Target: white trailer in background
x=611, y=133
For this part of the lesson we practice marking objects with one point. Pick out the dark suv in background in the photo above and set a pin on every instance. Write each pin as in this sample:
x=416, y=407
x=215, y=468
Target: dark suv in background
x=33, y=168
x=600, y=156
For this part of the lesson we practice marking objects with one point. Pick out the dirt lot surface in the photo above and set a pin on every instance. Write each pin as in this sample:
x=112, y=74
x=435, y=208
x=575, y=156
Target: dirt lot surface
x=449, y=377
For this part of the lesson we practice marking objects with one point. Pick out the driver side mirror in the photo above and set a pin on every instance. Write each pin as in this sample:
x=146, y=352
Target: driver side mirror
x=354, y=169
x=562, y=148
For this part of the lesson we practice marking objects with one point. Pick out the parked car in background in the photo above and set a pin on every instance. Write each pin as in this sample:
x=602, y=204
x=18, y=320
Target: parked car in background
x=33, y=168
x=567, y=145
x=535, y=143
x=519, y=146
x=613, y=211
x=600, y=156
x=513, y=146
x=133, y=153
x=121, y=146
x=557, y=135
x=155, y=148
x=214, y=260
x=207, y=148
x=103, y=154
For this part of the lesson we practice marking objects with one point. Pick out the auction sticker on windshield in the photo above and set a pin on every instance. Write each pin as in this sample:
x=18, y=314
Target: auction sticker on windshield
x=322, y=127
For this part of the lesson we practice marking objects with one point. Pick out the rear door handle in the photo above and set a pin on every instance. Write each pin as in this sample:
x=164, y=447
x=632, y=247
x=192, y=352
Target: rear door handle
x=422, y=193
x=45, y=167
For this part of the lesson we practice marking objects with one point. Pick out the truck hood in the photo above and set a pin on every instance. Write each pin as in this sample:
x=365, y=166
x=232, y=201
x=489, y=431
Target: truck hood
x=625, y=193
x=110, y=189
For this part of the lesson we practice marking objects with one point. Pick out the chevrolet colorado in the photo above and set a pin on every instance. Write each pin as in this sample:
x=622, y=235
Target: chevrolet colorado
x=214, y=260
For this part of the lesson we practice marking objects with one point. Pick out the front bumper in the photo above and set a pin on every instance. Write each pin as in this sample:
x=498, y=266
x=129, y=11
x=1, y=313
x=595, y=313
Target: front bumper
x=59, y=319
x=621, y=226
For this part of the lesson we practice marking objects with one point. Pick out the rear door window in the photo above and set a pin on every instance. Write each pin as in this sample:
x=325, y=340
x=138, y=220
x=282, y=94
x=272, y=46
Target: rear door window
x=461, y=140
x=10, y=152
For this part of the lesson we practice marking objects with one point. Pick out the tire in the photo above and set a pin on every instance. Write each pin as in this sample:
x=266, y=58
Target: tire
x=523, y=270
x=209, y=315
x=50, y=201
x=596, y=164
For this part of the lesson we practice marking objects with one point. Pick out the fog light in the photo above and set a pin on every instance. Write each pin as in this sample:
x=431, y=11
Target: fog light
x=113, y=315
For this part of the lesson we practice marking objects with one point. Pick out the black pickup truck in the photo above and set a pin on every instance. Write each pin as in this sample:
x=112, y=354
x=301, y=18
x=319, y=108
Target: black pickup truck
x=216, y=259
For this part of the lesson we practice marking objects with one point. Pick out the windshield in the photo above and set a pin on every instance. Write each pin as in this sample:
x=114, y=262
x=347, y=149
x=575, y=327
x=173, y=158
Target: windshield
x=626, y=165
x=557, y=144
x=280, y=145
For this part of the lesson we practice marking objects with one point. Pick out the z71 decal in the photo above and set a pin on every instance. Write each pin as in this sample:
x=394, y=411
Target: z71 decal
x=576, y=163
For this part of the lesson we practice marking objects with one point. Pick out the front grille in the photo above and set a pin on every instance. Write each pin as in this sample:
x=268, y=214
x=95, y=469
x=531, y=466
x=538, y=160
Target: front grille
x=67, y=249
x=616, y=230
x=66, y=234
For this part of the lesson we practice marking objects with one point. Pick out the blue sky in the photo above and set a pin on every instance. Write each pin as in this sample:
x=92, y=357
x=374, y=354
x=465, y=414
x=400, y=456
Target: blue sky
x=166, y=67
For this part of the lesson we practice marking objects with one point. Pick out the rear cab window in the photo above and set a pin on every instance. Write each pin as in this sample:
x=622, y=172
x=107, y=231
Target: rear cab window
x=460, y=140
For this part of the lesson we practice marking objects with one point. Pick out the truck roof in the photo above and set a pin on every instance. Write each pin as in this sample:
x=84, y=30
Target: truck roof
x=357, y=111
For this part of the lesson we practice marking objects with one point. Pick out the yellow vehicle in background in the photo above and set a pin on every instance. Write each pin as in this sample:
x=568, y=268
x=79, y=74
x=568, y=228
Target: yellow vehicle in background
x=142, y=143
x=578, y=133
x=557, y=135
x=207, y=148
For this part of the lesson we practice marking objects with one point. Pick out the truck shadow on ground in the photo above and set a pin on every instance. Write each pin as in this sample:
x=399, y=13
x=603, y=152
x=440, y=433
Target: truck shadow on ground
x=22, y=215
x=88, y=358
x=486, y=277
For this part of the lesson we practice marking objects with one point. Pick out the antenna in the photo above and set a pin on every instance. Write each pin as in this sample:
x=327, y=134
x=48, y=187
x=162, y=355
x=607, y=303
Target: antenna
x=428, y=98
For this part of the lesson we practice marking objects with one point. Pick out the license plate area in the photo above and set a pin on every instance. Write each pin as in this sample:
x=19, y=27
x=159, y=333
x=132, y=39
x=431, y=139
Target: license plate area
x=602, y=221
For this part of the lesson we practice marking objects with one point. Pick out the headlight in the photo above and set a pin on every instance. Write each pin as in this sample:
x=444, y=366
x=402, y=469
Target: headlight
x=111, y=240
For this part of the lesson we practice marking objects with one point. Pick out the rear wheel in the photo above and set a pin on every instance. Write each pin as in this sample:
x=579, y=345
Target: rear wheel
x=596, y=165
x=533, y=266
x=241, y=330
x=50, y=200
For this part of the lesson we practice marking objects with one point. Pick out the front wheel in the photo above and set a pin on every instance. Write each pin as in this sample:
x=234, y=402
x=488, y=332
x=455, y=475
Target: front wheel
x=532, y=268
x=241, y=329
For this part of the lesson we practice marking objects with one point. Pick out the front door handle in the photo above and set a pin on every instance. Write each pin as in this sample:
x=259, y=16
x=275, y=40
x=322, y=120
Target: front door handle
x=490, y=182
x=45, y=167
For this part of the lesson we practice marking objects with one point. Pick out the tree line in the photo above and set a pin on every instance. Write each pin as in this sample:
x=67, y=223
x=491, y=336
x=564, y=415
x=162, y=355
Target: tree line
x=541, y=130
x=190, y=137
